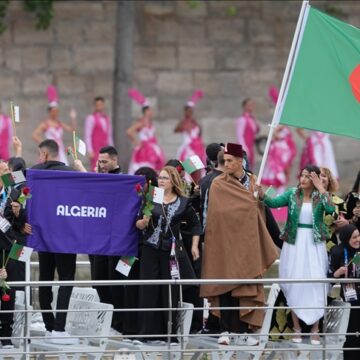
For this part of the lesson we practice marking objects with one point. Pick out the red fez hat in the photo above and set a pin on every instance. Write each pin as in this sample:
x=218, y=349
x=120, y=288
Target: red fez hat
x=234, y=150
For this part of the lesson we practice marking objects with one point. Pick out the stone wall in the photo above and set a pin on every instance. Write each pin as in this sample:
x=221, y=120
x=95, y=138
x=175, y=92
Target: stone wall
x=230, y=49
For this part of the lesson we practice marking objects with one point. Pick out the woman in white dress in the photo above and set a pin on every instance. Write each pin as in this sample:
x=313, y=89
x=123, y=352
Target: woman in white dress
x=304, y=255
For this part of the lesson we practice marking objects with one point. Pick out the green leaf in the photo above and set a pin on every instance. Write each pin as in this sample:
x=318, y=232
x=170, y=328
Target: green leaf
x=146, y=211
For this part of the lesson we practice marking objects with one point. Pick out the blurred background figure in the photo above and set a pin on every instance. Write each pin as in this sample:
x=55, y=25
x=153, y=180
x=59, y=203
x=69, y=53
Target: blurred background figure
x=98, y=131
x=318, y=150
x=147, y=151
x=6, y=132
x=52, y=128
x=190, y=129
x=246, y=130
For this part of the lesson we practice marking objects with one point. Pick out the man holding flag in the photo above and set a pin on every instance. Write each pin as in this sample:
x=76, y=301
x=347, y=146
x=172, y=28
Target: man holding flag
x=65, y=264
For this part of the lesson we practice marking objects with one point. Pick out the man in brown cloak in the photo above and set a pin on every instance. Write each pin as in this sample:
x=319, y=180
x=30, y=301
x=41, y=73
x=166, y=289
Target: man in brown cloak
x=237, y=246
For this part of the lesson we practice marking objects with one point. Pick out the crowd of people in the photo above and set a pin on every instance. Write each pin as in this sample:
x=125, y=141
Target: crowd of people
x=213, y=227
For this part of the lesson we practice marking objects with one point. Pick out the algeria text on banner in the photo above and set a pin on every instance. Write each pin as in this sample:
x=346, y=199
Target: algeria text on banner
x=83, y=213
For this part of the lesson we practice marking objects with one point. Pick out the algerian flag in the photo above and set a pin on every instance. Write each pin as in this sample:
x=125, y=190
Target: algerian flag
x=80, y=146
x=156, y=194
x=192, y=164
x=20, y=252
x=323, y=91
x=13, y=178
x=16, y=113
x=356, y=259
x=124, y=265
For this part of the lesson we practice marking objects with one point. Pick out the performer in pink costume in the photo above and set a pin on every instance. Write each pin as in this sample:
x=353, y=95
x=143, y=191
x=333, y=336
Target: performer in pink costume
x=246, y=130
x=6, y=132
x=318, y=150
x=98, y=131
x=147, y=152
x=281, y=154
x=190, y=129
x=52, y=127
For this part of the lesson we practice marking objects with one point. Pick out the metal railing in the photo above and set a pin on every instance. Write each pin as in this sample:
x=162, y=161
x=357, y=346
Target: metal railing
x=167, y=350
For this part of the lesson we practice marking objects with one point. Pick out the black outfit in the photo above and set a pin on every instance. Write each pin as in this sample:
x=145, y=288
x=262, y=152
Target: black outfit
x=7, y=319
x=103, y=268
x=157, y=238
x=336, y=260
x=212, y=323
x=65, y=264
x=352, y=200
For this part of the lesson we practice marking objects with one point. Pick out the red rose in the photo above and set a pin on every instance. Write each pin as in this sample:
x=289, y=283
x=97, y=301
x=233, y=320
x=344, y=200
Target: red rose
x=5, y=297
x=138, y=187
x=179, y=169
x=26, y=191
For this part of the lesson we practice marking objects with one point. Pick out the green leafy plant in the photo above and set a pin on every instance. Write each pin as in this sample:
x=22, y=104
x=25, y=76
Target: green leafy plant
x=43, y=10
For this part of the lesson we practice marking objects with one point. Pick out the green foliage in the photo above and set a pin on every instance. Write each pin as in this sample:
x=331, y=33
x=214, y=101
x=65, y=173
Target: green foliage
x=3, y=7
x=193, y=3
x=231, y=11
x=43, y=10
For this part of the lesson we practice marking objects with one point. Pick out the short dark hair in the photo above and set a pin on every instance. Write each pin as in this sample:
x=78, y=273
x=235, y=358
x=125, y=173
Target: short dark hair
x=149, y=173
x=174, y=163
x=220, y=158
x=109, y=150
x=144, y=108
x=212, y=151
x=99, y=98
x=16, y=164
x=311, y=168
x=51, y=146
x=245, y=101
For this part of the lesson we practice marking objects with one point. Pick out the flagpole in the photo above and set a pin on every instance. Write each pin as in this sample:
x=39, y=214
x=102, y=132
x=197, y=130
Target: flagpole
x=27, y=307
x=74, y=141
x=275, y=120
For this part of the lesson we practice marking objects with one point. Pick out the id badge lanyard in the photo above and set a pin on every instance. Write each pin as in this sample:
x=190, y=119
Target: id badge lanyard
x=173, y=262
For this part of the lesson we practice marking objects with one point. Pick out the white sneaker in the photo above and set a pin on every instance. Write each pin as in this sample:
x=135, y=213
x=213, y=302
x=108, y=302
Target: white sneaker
x=246, y=340
x=63, y=338
x=114, y=332
x=36, y=317
x=47, y=336
x=137, y=342
x=224, y=338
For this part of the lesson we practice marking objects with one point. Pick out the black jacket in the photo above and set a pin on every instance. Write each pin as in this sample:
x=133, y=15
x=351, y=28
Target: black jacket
x=52, y=165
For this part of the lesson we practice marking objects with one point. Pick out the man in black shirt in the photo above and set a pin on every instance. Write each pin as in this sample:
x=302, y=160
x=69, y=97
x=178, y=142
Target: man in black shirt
x=65, y=264
x=102, y=266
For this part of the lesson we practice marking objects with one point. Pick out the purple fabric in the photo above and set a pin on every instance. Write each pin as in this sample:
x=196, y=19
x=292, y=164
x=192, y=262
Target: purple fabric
x=83, y=213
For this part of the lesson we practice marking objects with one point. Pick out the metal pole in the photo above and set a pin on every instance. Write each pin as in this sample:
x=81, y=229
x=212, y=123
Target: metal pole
x=27, y=314
x=294, y=46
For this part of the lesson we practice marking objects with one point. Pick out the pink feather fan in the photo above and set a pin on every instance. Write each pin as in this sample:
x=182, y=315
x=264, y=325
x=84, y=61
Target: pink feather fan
x=138, y=97
x=274, y=94
x=195, y=97
x=52, y=95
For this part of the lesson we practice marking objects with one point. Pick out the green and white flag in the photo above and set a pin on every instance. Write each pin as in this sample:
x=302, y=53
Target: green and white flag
x=323, y=89
x=124, y=265
x=80, y=146
x=192, y=164
x=20, y=252
x=13, y=178
x=156, y=194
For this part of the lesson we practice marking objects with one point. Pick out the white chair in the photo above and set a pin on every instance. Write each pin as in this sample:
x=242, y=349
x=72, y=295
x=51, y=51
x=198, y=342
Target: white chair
x=151, y=352
x=225, y=352
x=82, y=293
x=336, y=322
x=94, y=320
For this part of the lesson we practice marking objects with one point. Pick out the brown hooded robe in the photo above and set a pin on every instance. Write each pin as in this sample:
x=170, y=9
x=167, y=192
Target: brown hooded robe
x=237, y=245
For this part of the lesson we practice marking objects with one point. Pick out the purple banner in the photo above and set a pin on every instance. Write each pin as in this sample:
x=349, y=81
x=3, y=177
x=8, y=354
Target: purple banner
x=83, y=213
